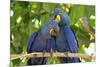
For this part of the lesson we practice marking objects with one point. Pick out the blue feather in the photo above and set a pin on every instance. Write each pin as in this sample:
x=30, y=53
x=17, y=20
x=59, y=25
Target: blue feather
x=66, y=41
x=41, y=41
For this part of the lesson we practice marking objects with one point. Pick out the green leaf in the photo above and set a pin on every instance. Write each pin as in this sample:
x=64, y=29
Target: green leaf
x=49, y=7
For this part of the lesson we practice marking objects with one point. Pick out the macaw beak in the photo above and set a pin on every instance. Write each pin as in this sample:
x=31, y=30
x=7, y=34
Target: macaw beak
x=54, y=32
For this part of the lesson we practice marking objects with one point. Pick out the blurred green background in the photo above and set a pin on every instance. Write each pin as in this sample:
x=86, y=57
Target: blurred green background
x=28, y=17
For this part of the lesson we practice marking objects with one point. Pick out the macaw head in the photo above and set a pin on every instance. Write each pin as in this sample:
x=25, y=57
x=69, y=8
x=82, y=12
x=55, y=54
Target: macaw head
x=61, y=16
x=50, y=29
x=53, y=28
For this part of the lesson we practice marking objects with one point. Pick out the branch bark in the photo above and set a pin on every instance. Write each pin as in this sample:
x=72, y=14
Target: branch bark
x=47, y=54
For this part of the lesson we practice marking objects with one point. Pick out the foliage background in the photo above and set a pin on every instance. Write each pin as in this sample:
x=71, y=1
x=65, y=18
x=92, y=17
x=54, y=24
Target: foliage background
x=28, y=17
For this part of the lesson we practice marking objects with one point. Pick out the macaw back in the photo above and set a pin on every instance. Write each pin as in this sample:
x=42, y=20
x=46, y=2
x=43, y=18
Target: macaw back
x=71, y=42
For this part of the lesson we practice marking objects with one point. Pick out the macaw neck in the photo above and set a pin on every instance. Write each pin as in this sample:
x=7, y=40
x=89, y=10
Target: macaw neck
x=65, y=30
x=65, y=19
x=65, y=27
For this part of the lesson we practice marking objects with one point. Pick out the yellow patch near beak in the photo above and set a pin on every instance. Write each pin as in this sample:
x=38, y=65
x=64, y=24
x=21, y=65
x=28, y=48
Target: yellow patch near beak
x=51, y=30
x=58, y=18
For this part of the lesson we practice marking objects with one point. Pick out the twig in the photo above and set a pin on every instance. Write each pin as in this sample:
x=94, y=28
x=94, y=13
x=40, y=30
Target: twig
x=47, y=54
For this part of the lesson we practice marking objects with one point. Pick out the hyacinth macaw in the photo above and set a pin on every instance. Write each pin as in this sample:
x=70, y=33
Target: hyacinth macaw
x=42, y=41
x=66, y=41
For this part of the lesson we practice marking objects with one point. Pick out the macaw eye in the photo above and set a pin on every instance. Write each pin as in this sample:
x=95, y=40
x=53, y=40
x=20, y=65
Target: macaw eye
x=58, y=18
x=50, y=26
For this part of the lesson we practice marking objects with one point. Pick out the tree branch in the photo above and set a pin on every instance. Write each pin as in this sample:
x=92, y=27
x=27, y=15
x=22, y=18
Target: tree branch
x=47, y=54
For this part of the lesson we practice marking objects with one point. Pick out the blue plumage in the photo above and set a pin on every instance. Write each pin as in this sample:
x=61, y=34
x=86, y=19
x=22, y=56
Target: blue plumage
x=66, y=41
x=42, y=41
x=61, y=39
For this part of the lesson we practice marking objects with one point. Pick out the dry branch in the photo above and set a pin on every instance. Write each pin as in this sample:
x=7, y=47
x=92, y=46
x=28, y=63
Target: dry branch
x=54, y=54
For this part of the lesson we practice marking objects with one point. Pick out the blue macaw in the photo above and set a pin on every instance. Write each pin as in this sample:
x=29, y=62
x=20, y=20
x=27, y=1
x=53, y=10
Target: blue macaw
x=42, y=41
x=66, y=41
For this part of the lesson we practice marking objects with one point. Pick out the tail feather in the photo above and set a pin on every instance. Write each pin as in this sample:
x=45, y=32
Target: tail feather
x=70, y=60
x=36, y=61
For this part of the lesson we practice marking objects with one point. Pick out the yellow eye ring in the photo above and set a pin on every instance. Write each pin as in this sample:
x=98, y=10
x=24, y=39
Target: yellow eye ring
x=50, y=26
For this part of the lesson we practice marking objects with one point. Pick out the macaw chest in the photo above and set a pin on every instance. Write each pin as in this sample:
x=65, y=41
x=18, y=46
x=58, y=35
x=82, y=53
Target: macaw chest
x=61, y=43
x=39, y=44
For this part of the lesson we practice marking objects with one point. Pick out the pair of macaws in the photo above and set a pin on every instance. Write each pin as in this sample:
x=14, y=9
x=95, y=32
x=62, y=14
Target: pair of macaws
x=55, y=35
